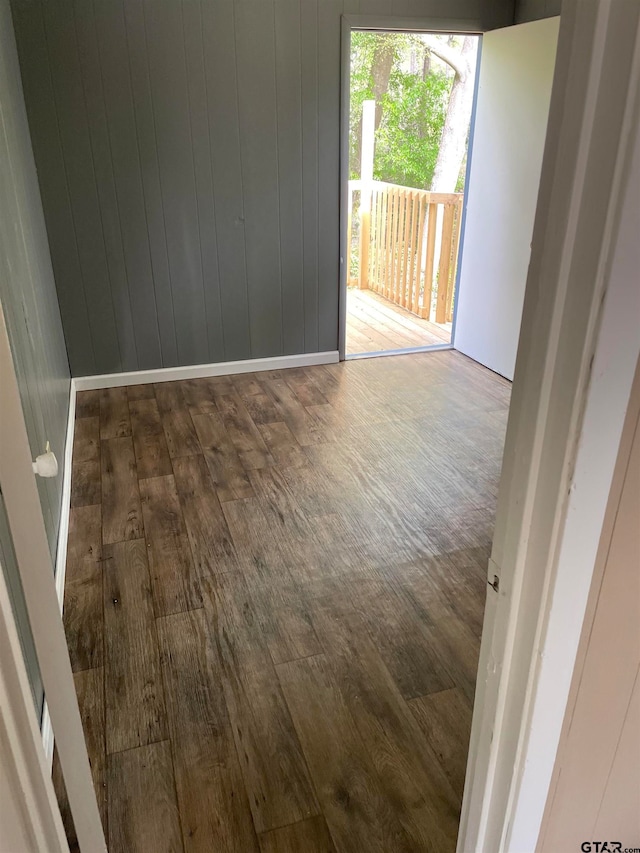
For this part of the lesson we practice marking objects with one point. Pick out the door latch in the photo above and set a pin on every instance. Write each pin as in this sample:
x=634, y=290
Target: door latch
x=495, y=584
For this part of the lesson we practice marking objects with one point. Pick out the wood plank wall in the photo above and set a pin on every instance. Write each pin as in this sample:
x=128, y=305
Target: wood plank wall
x=188, y=155
x=27, y=288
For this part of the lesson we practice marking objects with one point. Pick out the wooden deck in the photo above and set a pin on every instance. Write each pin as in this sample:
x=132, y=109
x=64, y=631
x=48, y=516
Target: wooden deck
x=376, y=325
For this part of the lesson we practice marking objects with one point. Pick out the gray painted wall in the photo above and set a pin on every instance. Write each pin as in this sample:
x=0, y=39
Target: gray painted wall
x=188, y=156
x=27, y=289
x=534, y=10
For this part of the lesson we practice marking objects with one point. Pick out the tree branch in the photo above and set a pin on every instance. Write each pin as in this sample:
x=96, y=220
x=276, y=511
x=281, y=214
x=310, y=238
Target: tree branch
x=451, y=57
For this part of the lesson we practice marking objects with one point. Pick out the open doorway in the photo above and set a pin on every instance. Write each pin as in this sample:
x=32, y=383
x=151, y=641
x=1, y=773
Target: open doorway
x=410, y=105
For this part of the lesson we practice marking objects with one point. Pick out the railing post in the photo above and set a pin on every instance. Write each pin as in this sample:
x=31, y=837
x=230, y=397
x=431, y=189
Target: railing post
x=430, y=259
x=444, y=270
x=423, y=207
x=454, y=260
x=366, y=174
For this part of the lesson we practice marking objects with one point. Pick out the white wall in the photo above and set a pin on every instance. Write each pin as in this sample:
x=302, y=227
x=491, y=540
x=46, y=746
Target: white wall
x=596, y=787
x=514, y=91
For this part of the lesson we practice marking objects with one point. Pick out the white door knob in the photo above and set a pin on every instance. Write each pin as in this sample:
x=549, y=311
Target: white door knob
x=46, y=465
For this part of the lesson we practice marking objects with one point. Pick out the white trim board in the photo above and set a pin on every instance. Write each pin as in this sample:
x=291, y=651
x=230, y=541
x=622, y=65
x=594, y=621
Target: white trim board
x=197, y=371
x=61, y=552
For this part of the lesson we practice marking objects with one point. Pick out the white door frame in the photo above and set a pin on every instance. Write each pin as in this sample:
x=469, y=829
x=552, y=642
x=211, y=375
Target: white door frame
x=385, y=23
x=579, y=346
x=33, y=815
x=36, y=574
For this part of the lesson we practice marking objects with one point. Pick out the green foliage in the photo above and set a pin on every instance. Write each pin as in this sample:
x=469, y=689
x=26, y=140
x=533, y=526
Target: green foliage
x=408, y=138
x=413, y=111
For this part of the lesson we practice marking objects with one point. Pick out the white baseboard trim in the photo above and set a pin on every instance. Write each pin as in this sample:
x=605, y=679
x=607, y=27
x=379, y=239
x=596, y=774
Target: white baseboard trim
x=197, y=371
x=61, y=551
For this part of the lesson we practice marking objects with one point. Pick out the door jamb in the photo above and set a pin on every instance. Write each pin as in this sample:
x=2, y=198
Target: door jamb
x=36, y=574
x=21, y=751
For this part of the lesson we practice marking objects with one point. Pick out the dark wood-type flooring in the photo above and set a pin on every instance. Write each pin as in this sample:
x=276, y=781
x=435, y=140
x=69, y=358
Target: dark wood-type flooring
x=274, y=599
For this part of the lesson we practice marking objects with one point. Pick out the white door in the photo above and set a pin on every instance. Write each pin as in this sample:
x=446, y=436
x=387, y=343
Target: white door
x=28, y=773
x=512, y=108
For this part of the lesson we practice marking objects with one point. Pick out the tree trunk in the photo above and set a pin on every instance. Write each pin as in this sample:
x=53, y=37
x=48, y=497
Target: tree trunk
x=381, y=70
x=426, y=65
x=456, y=125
